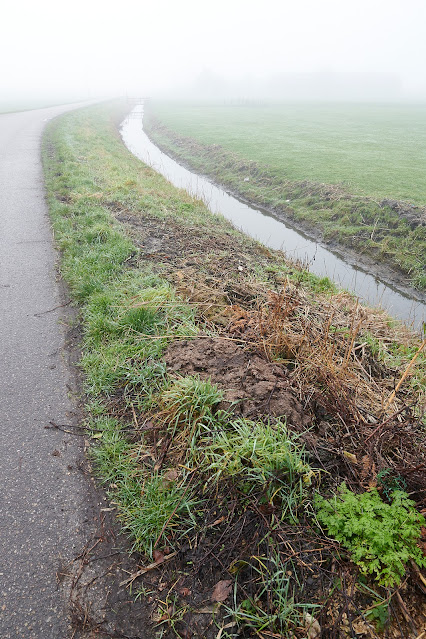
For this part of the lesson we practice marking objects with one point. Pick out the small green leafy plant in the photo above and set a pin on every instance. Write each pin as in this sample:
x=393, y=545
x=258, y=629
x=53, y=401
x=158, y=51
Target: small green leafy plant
x=389, y=482
x=381, y=537
x=379, y=610
x=379, y=614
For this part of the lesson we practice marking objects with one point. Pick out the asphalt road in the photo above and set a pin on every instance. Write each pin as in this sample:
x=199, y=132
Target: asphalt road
x=44, y=497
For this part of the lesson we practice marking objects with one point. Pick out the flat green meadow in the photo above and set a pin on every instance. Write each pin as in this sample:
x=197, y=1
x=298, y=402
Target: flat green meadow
x=377, y=150
x=352, y=175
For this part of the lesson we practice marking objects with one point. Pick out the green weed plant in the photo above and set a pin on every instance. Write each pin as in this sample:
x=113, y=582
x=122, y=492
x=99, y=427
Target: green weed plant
x=381, y=537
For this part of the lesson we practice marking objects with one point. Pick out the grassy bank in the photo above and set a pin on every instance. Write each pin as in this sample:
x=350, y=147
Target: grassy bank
x=352, y=172
x=229, y=395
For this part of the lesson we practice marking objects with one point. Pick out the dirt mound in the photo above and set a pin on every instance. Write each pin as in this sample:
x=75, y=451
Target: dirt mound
x=256, y=386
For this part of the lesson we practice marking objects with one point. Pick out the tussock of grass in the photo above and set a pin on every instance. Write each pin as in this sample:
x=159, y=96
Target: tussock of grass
x=189, y=400
x=261, y=456
x=187, y=409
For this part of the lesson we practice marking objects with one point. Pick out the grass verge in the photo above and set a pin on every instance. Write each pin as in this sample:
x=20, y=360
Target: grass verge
x=225, y=387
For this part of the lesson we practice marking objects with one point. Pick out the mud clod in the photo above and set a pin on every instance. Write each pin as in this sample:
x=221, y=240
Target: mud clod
x=255, y=387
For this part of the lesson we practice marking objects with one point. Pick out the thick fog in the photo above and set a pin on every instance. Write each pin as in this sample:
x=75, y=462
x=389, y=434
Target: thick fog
x=326, y=49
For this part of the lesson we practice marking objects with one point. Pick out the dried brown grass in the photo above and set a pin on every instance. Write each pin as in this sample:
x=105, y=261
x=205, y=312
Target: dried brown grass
x=322, y=341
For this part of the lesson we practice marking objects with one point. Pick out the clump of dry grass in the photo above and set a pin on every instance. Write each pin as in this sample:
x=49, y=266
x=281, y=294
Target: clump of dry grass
x=361, y=378
x=326, y=344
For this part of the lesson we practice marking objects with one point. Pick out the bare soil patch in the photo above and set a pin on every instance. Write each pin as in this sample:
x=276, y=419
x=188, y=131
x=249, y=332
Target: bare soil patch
x=252, y=385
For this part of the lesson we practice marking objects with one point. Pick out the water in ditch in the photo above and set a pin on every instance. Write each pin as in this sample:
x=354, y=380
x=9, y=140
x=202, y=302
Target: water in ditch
x=263, y=226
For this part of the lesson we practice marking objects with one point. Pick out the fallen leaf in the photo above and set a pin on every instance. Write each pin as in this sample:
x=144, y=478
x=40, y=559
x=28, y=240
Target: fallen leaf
x=158, y=556
x=266, y=509
x=312, y=626
x=350, y=456
x=171, y=474
x=206, y=610
x=221, y=590
x=218, y=521
x=366, y=463
x=158, y=616
x=184, y=592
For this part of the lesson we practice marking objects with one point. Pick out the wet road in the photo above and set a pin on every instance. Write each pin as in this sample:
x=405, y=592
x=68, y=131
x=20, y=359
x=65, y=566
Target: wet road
x=43, y=496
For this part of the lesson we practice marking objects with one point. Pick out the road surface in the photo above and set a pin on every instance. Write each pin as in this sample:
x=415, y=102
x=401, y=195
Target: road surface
x=44, y=497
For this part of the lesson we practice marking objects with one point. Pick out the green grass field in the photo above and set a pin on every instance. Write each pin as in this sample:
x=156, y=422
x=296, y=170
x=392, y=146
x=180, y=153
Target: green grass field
x=374, y=150
x=352, y=174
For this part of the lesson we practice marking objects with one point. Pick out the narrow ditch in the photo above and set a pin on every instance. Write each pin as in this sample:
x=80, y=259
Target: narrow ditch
x=373, y=289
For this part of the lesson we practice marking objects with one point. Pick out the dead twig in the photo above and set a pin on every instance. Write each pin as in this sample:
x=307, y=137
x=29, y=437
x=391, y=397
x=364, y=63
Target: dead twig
x=52, y=309
x=64, y=428
x=143, y=571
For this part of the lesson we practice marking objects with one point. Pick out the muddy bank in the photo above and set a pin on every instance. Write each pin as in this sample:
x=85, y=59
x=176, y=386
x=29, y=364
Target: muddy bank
x=396, y=280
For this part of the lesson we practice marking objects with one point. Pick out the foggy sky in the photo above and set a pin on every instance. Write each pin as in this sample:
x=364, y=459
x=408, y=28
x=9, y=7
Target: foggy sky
x=92, y=47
